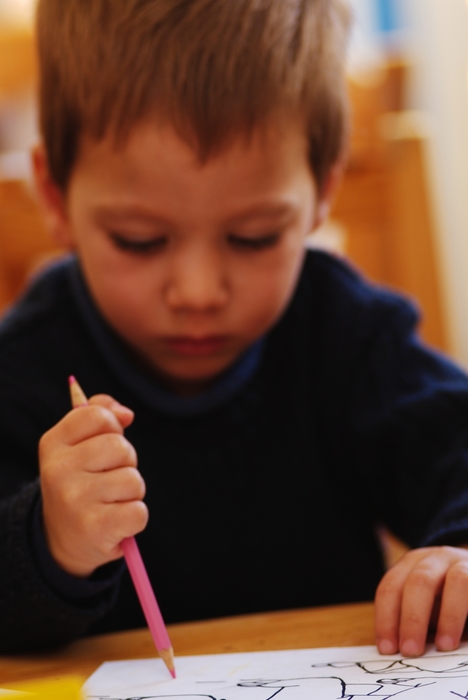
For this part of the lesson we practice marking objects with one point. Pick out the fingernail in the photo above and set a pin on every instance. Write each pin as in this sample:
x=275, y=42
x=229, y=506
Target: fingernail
x=445, y=643
x=386, y=647
x=410, y=648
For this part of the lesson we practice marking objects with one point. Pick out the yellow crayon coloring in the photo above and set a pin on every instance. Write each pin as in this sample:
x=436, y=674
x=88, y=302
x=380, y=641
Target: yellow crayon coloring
x=65, y=689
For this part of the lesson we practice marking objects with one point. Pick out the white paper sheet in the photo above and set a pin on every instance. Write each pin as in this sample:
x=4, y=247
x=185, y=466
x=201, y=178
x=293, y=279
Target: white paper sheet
x=349, y=673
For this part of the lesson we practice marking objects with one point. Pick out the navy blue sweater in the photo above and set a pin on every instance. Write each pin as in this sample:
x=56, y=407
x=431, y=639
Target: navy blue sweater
x=272, y=482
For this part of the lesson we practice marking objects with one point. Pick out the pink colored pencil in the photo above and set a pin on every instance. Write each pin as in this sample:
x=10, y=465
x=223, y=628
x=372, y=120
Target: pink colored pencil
x=138, y=572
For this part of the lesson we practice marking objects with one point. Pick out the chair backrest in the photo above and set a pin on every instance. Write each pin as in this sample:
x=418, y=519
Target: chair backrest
x=24, y=241
x=17, y=61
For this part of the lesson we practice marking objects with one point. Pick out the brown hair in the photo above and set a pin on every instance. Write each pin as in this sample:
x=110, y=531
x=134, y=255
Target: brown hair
x=213, y=68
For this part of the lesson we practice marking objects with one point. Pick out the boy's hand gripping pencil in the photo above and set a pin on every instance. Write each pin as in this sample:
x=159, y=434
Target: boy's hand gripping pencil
x=138, y=572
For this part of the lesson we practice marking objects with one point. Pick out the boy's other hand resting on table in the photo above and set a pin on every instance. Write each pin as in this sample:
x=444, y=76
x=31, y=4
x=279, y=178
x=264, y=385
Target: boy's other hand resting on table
x=91, y=489
x=427, y=586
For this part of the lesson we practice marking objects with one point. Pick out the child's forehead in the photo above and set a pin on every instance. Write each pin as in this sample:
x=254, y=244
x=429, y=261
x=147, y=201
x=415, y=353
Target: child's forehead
x=156, y=170
x=162, y=146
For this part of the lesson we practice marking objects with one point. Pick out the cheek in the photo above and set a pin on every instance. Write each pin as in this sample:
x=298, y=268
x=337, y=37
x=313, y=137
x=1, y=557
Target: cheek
x=267, y=292
x=123, y=294
x=117, y=282
x=130, y=295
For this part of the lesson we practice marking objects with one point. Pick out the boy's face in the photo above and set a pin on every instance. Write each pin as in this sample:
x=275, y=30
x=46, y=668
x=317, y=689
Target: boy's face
x=189, y=263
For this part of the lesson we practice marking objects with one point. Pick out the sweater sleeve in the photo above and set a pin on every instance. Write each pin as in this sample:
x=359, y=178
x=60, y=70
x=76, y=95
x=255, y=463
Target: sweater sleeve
x=42, y=342
x=409, y=416
x=40, y=605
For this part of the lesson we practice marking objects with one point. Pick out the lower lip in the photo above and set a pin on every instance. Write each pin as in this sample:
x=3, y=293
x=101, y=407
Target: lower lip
x=197, y=348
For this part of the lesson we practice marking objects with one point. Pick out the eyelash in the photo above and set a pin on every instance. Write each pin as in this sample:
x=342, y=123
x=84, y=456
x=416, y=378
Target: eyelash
x=155, y=244
x=254, y=243
x=149, y=246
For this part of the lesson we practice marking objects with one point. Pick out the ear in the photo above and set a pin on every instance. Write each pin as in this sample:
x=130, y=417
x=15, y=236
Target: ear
x=328, y=192
x=52, y=199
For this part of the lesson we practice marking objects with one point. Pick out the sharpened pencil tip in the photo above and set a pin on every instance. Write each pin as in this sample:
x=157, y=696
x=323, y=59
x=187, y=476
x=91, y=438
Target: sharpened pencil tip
x=76, y=392
x=167, y=656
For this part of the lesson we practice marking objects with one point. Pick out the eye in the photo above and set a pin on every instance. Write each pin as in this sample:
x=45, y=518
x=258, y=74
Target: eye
x=150, y=245
x=258, y=243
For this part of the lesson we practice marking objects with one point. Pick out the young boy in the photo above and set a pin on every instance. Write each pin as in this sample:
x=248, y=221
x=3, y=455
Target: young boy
x=278, y=406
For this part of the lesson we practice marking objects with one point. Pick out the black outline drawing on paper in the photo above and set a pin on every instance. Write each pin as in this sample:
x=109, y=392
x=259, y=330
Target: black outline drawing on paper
x=437, y=664
x=151, y=697
x=404, y=676
x=383, y=689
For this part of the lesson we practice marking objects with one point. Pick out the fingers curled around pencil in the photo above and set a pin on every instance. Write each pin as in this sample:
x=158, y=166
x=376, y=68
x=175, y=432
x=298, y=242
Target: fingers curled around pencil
x=123, y=414
x=105, y=452
x=126, y=519
x=121, y=486
x=81, y=424
x=105, y=528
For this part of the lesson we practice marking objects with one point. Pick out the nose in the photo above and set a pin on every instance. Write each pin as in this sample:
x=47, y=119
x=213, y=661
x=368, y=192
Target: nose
x=197, y=281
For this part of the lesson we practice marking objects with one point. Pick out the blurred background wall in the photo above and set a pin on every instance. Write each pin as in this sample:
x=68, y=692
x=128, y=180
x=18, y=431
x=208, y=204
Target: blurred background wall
x=438, y=51
x=402, y=213
x=431, y=36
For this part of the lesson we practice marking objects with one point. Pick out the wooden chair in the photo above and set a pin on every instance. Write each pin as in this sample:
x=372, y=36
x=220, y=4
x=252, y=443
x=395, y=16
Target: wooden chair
x=384, y=202
x=24, y=241
x=25, y=244
x=17, y=61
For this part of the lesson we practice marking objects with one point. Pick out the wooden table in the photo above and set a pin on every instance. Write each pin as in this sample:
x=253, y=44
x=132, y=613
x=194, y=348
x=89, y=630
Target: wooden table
x=345, y=625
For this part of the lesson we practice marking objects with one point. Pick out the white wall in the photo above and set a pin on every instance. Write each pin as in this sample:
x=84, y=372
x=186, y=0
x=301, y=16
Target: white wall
x=365, y=46
x=435, y=37
x=18, y=120
x=439, y=47
x=16, y=11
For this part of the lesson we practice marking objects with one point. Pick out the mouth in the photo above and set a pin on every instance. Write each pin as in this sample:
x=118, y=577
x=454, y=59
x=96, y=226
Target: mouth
x=197, y=347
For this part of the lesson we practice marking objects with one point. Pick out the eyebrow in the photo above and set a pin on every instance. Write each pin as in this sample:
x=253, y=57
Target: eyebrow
x=129, y=212
x=267, y=210
x=132, y=212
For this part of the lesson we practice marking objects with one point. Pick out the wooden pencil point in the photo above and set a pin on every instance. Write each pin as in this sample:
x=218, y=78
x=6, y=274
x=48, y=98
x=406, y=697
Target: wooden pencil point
x=78, y=397
x=167, y=655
